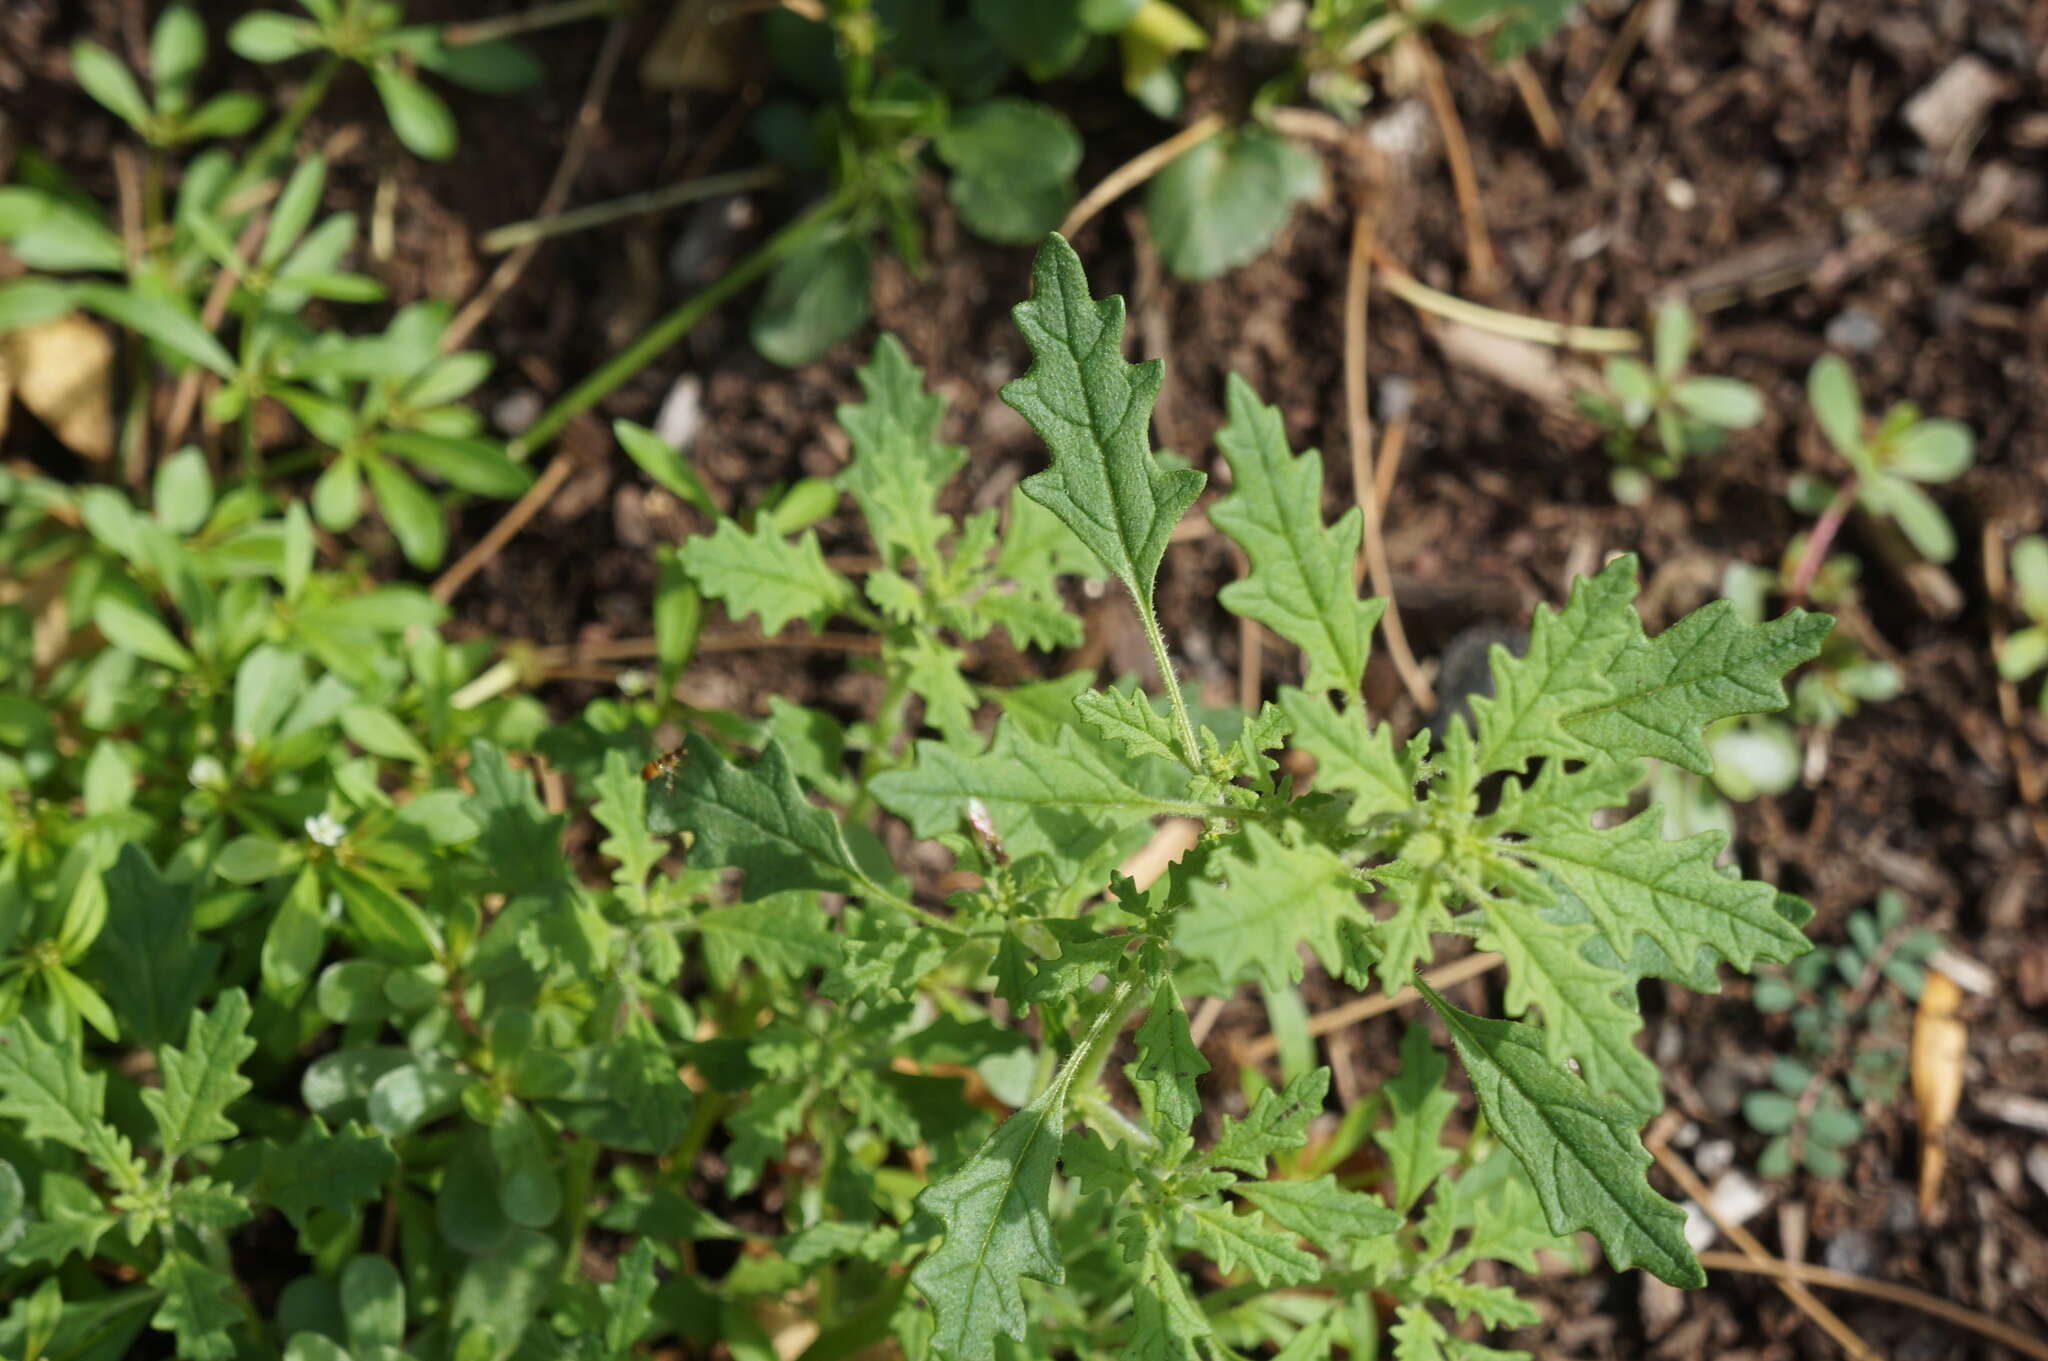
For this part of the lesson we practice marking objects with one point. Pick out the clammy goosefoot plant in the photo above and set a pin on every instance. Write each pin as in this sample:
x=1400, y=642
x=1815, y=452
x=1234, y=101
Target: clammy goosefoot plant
x=1079, y=1225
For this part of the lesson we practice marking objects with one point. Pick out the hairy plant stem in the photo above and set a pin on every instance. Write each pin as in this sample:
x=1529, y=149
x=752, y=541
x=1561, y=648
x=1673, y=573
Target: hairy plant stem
x=621, y=367
x=1085, y=1065
x=1191, y=751
x=1818, y=543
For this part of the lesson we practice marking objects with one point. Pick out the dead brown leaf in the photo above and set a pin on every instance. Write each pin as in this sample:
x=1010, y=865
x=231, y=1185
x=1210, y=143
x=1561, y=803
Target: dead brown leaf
x=62, y=371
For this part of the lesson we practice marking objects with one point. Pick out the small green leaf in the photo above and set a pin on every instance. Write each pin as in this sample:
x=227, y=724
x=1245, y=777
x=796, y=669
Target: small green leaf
x=899, y=463
x=1017, y=142
x=204, y=1078
x=474, y=465
x=198, y=1306
x=225, y=115
x=177, y=48
x=664, y=465
x=411, y=511
x=1264, y=902
x=1233, y=1240
x=1063, y=797
x=1301, y=583
x=183, y=495
x=1581, y=1152
x=1277, y=1122
x=814, y=299
x=1168, y=1059
x=1831, y=391
x=1321, y=1211
x=1128, y=719
x=759, y=572
x=998, y=1230
x=1672, y=341
x=158, y=319
x=1219, y=204
x=417, y=114
x=1634, y=882
x=267, y=36
x=1419, y=1104
x=372, y=1303
x=133, y=630
x=1725, y=402
x=1933, y=451
x=1918, y=517
x=1710, y=665
x=1833, y=1127
x=1092, y=409
x=1010, y=214
x=754, y=819
x=149, y=956
x=1769, y=1112
x=323, y=1171
x=102, y=75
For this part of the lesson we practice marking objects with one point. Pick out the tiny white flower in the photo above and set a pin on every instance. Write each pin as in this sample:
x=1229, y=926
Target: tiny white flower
x=334, y=907
x=207, y=773
x=326, y=829
x=633, y=681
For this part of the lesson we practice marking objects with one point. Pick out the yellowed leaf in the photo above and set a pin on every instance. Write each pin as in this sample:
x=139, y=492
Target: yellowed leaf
x=62, y=372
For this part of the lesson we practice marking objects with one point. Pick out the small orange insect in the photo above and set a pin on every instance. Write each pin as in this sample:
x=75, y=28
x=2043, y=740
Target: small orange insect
x=664, y=767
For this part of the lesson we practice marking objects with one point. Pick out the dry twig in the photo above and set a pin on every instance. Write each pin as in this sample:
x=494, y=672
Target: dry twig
x=587, y=114
x=1982, y=1324
x=524, y=509
x=1359, y=424
x=1479, y=257
x=1140, y=168
x=1365, y=1008
x=1822, y=1316
x=1609, y=75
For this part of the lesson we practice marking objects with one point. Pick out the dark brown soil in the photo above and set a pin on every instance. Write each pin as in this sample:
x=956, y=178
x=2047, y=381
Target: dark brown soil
x=1740, y=132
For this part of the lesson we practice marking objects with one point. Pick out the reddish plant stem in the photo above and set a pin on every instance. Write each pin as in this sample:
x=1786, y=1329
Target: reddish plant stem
x=1817, y=545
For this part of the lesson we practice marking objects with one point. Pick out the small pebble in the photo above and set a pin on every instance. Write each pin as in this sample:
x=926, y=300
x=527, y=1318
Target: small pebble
x=682, y=413
x=1681, y=195
x=1855, y=330
x=1854, y=1251
x=515, y=411
x=1397, y=397
x=2037, y=1166
x=1715, y=1157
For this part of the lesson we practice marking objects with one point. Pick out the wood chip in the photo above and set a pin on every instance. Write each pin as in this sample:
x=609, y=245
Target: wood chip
x=2014, y=1108
x=1939, y=1043
x=62, y=372
x=1949, y=113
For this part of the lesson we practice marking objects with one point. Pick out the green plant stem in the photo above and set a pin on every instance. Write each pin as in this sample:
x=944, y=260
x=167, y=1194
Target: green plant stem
x=1818, y=543
x=582, y=1163
x=1087, y=1062
x=281, y=133
x=516, y=234
x=1184, y=725
x=539, y=17
x=620, y=368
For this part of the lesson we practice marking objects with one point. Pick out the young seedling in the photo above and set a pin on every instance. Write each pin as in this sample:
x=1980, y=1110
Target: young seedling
x=177, y=50
x=1657, y=415
x=2026, y=649
x=1888, y=466
x=1849, y=1030
x=373, y=35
